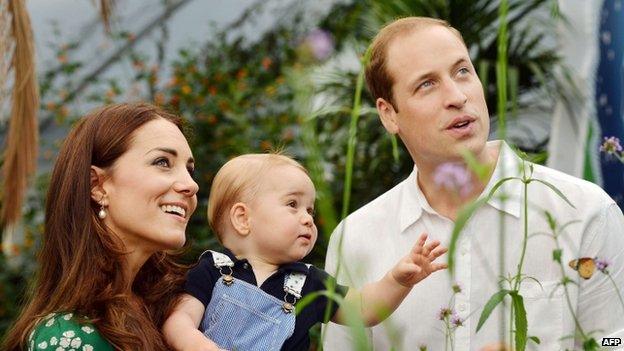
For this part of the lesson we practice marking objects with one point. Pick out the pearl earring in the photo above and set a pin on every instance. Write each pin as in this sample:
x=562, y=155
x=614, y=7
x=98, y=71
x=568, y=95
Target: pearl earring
x=102, y=212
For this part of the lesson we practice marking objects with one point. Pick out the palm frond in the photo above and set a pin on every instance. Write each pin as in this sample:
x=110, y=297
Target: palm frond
x=20, y=157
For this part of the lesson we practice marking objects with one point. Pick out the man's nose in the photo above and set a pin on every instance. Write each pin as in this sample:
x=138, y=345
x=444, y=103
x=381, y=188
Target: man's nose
x=455, y=96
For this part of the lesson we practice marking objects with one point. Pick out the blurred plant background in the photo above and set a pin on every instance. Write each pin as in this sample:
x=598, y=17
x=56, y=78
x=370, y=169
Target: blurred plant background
x=243, y=93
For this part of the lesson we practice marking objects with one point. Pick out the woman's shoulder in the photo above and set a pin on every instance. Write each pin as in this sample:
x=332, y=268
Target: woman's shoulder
x=62, y=331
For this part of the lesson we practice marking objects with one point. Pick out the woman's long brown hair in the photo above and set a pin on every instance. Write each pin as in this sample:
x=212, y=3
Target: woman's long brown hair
x=80, y=262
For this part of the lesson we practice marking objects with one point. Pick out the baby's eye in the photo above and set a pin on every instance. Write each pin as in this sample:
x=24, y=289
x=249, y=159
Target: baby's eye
x=191, y=171
x=292, y=203
x=162, y=162
x=311, y=212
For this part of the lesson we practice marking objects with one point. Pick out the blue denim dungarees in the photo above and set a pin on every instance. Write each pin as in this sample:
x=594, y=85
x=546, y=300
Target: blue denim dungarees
x=240, y=316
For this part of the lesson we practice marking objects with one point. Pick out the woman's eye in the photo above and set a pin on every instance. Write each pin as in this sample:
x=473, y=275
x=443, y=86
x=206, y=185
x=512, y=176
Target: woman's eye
x=162, y=162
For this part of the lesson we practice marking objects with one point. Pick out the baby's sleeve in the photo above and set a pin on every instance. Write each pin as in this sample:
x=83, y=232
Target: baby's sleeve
x=200, y=280
x=319, y=280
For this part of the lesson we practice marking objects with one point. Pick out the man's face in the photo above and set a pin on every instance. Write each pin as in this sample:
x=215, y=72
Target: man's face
x=439, y=106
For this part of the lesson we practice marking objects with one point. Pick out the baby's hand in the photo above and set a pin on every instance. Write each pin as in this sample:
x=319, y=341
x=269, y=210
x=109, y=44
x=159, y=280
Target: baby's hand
x=418, y=264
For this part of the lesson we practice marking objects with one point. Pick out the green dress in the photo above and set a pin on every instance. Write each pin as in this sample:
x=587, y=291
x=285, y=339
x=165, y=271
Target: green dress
x=60, y=331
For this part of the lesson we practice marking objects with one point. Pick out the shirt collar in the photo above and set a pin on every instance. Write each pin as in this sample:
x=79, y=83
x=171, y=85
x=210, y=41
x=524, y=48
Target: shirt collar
x=412, y=201
x=288, y=267
x=508, y=165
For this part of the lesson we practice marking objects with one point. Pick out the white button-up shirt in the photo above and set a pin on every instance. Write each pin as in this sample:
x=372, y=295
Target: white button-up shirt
x=378, y=234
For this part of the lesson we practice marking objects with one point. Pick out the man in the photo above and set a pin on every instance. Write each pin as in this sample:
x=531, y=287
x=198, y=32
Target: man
x=427, y=92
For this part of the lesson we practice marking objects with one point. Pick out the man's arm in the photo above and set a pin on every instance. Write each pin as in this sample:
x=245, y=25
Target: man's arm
x=180, y=329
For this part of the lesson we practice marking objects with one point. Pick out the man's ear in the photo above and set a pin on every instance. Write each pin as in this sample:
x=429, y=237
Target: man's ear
x=388, y=115
x=98, y=194
x=239, y=217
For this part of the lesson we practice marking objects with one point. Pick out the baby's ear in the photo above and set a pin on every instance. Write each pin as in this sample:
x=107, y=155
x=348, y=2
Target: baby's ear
x=239, y=217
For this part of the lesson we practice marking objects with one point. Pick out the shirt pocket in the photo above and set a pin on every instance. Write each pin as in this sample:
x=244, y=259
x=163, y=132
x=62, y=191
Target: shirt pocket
x=544, y=303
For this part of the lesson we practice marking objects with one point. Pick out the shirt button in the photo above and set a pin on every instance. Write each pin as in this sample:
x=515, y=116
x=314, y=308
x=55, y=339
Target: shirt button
x=246, y=265
x=462, y=307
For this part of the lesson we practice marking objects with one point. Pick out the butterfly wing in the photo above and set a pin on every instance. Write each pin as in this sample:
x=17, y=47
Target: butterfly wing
x=587, y=266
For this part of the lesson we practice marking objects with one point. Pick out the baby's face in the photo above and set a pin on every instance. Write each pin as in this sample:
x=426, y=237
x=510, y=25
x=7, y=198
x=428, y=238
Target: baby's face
x=281, y=215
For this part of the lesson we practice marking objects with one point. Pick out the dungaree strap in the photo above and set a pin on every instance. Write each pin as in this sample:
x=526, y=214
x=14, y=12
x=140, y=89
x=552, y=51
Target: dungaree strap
x=293, y=283
x=220, y=260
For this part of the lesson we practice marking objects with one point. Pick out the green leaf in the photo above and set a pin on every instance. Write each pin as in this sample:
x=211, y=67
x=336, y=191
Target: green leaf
x=463, y=216
x=490, y=305
x=590, y=345
x=535, y=339
x=520, y=320
x=557, y=255
x=554, y=188
x=481, y=170
x=552, y=223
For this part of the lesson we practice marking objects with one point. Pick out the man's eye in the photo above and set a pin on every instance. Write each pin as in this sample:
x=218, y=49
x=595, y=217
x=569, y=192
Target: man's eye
x=464, y=70
x=425, y=85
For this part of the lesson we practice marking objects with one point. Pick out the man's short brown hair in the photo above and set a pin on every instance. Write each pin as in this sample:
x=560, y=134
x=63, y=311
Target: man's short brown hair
x=378, y=79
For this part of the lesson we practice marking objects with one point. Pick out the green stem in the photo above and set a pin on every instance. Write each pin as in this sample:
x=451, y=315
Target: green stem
x=617, y=290
x=501, y=85
x=565, y=289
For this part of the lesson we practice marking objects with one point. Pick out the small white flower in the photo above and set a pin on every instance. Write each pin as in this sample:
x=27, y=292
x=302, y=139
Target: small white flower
x=75, y=343
x=59, y=349
x=87, y=329
x=42, y=345
x=64, y=342
x=69, y=334
x=68, y=316
x=87, y=347
x=49, y=322
x=53, y=340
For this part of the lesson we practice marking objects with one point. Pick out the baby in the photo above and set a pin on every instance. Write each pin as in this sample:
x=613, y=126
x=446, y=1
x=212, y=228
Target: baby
x=261, y=207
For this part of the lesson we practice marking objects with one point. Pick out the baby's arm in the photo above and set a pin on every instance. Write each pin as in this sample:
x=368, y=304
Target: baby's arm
x=180, y=329
x=377, y=300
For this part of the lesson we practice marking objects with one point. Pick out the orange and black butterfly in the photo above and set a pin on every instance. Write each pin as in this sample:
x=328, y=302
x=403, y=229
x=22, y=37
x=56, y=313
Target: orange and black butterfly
x=586, y=266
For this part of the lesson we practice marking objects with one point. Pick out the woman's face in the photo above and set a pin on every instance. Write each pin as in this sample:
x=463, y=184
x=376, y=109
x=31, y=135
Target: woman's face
x=149, y=192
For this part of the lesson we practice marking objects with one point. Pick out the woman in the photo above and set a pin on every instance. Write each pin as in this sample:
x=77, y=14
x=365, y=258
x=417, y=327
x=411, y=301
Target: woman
x=120, y=195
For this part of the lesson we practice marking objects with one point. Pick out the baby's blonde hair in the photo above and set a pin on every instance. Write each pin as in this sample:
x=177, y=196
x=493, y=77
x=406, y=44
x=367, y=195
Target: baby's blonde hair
x=238, y=180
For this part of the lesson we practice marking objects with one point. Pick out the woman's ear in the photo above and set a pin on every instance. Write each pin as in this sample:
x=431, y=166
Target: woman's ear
x=239, y=217
x=98, y=194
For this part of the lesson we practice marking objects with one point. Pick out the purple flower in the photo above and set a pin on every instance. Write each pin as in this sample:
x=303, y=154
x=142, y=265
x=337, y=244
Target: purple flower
x=320, y=43
x=611, y=146
x=444, y=313
x=602, y=264
x=453, y=177
x=456, y=320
